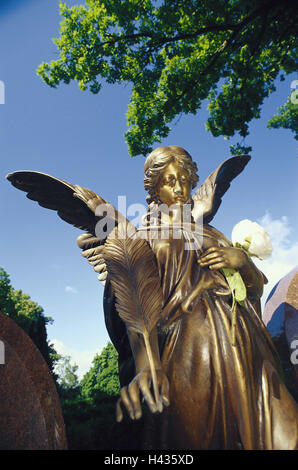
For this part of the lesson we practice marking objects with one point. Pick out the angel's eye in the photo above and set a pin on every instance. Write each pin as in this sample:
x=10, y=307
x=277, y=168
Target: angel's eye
x=170, y=182
x=184, y=180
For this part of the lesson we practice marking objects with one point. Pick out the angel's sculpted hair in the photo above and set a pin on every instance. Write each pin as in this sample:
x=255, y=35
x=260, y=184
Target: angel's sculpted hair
x=159, y=159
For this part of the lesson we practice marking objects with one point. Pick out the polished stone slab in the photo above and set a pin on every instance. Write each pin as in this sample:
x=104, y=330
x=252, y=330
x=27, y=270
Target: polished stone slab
x=281, y=314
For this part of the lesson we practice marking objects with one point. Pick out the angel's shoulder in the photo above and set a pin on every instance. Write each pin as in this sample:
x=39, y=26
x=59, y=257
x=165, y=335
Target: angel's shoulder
x=212, y=232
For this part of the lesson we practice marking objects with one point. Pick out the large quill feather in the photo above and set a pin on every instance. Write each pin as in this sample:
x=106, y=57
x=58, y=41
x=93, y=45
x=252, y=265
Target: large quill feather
x=133, y=273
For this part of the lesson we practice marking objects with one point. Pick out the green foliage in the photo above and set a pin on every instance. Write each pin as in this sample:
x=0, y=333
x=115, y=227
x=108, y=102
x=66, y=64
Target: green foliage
x=239, y=149
x=89, y=411
x=91, y=424
x=286, y=118
x=176, y=54
x=103, y=375
x=67, y=373
x=26, y=314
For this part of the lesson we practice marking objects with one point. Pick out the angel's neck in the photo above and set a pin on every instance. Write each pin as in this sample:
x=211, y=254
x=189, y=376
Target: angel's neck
x=175, y=214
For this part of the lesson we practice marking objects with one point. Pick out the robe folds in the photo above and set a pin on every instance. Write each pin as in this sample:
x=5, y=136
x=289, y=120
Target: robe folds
x=221, y=396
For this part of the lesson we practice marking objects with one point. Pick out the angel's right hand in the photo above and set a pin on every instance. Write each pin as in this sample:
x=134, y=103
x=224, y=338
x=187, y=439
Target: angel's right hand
x=140, y=385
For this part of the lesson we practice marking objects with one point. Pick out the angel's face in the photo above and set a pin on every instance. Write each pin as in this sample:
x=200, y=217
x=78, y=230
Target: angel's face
x=174, y=185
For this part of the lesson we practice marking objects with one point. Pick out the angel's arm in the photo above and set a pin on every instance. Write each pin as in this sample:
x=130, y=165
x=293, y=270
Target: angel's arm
x=206, y=202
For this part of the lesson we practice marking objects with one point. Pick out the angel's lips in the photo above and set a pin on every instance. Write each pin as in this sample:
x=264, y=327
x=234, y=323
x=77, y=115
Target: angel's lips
x=180, y=199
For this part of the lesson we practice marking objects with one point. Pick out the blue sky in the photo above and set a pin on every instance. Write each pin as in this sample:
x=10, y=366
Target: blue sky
x=78, y=137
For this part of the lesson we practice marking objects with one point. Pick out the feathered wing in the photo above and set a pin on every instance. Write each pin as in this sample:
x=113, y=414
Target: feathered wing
x=92, y=249
x=55, y=194
x=134, y=276
x=75, y=205
x=208, y=196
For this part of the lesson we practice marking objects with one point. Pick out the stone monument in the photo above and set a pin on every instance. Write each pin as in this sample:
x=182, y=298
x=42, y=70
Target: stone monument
x=30, y=412
x=281, y=318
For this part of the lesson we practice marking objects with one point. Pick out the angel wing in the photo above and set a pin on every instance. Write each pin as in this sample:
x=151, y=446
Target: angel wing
x=208, y=196
x=75, y=205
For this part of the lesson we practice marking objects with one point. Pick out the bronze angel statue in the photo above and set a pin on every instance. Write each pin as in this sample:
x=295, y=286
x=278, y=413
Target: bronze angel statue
x=168, y=310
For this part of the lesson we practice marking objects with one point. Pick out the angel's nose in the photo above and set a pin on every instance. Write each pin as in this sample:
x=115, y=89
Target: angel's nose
x=178, y=188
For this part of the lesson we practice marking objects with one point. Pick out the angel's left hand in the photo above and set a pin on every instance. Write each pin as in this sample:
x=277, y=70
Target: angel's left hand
x=223, y=257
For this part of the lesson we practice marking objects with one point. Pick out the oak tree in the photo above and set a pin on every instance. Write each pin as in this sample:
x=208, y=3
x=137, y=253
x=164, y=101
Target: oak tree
x=177, y=53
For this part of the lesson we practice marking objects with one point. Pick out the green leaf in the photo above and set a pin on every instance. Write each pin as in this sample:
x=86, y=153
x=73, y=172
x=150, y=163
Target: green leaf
x=236, y=284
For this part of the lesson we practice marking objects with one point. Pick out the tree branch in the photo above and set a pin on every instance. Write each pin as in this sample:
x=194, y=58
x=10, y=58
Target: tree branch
x=179, y=37
x=227, y=42
x=206, y=29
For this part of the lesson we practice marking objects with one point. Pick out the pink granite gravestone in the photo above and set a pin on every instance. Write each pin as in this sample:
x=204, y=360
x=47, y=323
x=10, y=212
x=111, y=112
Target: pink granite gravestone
x=281, y=313
x=30, y=412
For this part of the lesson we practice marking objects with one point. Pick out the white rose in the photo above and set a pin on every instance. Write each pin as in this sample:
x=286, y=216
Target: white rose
x=252, y=238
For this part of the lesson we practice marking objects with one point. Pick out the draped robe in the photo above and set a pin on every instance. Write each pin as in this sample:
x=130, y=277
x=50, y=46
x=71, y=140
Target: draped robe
x=221, y=396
